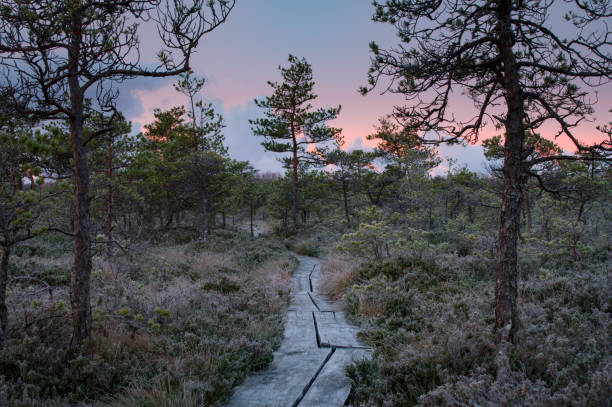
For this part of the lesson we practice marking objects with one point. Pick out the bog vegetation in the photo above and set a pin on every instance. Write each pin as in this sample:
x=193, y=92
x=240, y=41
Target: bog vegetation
x=154, y=269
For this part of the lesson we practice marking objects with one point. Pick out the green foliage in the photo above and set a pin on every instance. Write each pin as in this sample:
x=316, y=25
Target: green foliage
x=181, y=164
x=290, y=121
x=374, y=236
x=348, y=175
x=403, y=149
x=184, y=324
x=426, y=310
x=20, y=206
x=291, y=125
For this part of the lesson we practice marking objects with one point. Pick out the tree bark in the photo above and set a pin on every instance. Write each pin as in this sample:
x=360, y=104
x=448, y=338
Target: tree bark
x=575, y=234
x=80, y=275
x=294, y=187
x=507, y=256
x=6, y=252
x=138, y=221
x=169, y=220
x=212, y=221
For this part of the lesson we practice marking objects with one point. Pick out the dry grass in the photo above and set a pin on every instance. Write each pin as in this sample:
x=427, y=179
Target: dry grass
x=430, y=323
x=308, y=246
x=111, y=341
x=339, y=274
x=370, y=307
x=273, y=277
x=63, y=261
x=173, y=326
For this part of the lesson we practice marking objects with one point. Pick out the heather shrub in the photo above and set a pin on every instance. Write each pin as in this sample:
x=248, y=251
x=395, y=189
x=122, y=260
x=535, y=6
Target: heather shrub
x=430, y=324
x=307, y=247
x=173, y=325
x=481, y=388
x=374, y=237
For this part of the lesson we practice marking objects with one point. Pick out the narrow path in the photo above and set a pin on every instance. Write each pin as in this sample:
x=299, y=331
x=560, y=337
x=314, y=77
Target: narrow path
x=308, y=368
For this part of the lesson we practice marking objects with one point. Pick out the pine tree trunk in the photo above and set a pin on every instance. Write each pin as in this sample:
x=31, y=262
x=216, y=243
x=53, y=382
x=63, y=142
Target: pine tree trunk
x=446, y=208
x=80, y=275
x=138, y=222
x=506, y=316
x=14, y=183
x=6, y=252
x=294, y=188
x=212, y=221
x=528, y=211
x=169, y=220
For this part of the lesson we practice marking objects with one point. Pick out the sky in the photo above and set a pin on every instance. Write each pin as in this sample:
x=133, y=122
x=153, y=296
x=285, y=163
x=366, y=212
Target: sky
x=239, y=57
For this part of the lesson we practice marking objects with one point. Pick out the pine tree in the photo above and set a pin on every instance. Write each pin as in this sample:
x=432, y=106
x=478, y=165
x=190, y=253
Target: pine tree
x=59, y=52
x=292, y=125
x=514, y=64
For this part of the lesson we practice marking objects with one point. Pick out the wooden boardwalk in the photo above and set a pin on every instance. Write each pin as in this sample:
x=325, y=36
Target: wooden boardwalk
x=309, y=367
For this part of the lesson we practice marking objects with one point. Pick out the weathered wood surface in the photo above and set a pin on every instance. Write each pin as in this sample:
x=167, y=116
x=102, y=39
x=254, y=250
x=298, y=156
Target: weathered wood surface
x=309, y=367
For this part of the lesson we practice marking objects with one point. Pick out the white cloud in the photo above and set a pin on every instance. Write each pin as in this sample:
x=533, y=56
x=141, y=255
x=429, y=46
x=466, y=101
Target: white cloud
x=470, y=156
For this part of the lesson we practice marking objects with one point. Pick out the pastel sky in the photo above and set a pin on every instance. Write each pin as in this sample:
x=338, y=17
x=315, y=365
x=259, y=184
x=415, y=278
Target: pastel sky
x=239, y=57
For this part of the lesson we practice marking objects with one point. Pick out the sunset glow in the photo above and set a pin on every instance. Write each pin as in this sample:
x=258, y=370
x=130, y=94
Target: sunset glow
x=242, y=55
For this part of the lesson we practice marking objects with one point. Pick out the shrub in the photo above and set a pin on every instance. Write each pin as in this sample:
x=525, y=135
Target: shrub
x=174, y=325
x=430, y=323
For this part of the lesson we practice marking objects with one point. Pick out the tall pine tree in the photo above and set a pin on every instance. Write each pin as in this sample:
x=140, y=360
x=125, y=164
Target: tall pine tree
x=292, y=125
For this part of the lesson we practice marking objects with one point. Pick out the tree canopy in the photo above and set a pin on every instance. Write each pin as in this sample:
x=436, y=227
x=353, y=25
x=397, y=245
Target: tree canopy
x=292, y=125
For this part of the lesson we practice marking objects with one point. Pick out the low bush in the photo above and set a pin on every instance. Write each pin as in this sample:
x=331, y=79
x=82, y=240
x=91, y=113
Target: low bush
x=308, y=247
x=173, y=325
x=431, y=326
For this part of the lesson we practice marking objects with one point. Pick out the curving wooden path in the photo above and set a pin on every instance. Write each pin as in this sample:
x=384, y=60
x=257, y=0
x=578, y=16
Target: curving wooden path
x=309, y=367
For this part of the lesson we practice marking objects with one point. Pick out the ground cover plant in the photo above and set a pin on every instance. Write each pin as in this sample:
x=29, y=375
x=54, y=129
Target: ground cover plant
x=144, y=264
x=175, y=324
x=426, y=310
